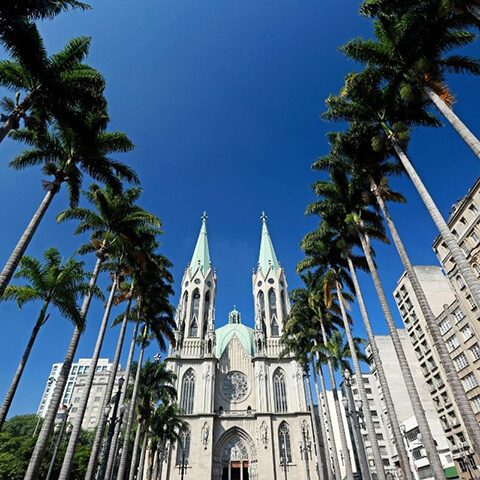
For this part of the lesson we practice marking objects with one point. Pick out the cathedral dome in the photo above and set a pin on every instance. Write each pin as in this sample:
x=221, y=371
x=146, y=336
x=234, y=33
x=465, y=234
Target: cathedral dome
x=234, y=327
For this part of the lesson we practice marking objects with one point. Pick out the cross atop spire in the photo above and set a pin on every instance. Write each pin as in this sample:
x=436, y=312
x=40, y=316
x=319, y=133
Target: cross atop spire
x=201, y=254
x=267, y=258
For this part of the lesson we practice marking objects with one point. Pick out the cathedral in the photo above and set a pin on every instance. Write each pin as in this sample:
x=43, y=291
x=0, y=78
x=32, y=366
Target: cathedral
x=247, y=406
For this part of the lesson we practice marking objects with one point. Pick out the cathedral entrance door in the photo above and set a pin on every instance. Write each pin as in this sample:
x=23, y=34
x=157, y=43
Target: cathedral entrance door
x=236, y=471
x=235, y=460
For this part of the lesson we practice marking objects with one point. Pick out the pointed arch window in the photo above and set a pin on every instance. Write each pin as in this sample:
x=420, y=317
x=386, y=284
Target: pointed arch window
x=284, y=443
x=272, y=303
x=279, y=391
x=195, y=303
x=207, y=307
x=261, y=304
x=283, y=301
x=183, y=448
x=275, y=328
x=188, y=392
x=193, y=331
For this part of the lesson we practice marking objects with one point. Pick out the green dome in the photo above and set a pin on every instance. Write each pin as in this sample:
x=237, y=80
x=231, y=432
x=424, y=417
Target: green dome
x=225, y=333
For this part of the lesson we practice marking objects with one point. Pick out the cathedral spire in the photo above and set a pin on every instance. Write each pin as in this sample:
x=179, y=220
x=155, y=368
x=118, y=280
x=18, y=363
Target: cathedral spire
x=201, y=254
x=267, y=258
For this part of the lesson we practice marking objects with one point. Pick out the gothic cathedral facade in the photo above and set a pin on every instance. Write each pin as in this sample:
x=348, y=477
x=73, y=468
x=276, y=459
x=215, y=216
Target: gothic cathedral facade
x=245, y=404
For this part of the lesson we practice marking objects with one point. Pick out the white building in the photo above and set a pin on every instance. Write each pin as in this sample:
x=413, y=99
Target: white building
x=245, y=406
x=74, y=388
x=404, y=409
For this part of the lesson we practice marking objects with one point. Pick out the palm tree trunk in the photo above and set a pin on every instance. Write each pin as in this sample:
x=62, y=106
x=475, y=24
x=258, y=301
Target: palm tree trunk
x=338, y=410
x=26, y=238
x=465, y=407
x=97, y=442
x=419, y=412
x=136, y=445
x=7, y=401
x=118, y=427
x=77, y=425
x=387, y=396
x=457, y=253
x=47, y=426
x=326, y=470
x=367, y=414
x=316, y=435
x=122, y=469
x=143, y=453
x=12, y=120
x=336, y=474
x=151, y=460
x=469, y=138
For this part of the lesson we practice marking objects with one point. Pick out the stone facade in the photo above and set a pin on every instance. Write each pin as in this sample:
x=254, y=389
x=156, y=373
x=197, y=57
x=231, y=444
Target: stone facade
x=245, y=404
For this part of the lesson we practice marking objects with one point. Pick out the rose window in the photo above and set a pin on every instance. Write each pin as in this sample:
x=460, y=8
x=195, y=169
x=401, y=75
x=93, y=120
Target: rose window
x=235, y=386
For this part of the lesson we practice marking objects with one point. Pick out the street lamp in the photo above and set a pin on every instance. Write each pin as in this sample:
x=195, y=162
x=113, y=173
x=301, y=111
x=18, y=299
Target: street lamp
x=183, y=466
x=305, y=446
x=284, y=454
x=354, y=414
x=162, y=449
x=58, y=430
x=112, y=422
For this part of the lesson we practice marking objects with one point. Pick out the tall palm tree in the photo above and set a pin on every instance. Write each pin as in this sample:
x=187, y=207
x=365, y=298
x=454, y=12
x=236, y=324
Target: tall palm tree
x=56, y=284
x=165, y=428
x=122, y=228
x=371, y=108
x=301, y=336
x=413, y=51
x=66, y=154
x=154, y=315
x=156, y=384
x=339, y=200
x=51, y=86
x=354, y=150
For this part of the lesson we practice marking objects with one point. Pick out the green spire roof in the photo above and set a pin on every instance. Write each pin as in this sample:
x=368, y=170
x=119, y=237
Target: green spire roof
x=267, y=258
x=201, y=254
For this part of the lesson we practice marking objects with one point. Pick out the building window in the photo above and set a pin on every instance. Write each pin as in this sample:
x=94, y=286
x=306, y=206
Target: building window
x=285, y=444
x=452, y=343
x=445, y=326
x=473, y=208
x=476, y=267
x=284, y=304
x=206, y=310
x=195, y=303
x=183, y=449
x=476, y=403
x=188, y=392
x=193, y=331
x=425, y=472
x=469, y=381
x=473, y=305
x=460, y=282
x=261, y=304
x=475, y=351
x=275, y=328
x=272, y=303
x=467, y=332
x=279, y=391
x=461, y=362
x=458, y=314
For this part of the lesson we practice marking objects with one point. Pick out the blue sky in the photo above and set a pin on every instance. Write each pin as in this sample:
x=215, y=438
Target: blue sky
x=222, y=99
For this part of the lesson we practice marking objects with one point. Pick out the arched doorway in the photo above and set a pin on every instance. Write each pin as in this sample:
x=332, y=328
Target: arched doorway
x=235, y=457
x=235, y=461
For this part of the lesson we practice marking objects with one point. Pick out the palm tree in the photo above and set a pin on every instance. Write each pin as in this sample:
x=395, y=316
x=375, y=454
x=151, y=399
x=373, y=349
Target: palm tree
x=123, y=229
x=339, y=200
x=55, y=284
x=165, y=428
x=154, y=314
x=413, y=52
x=66, y=154
x=156, y=384
x=370, y=108
x=51, y=86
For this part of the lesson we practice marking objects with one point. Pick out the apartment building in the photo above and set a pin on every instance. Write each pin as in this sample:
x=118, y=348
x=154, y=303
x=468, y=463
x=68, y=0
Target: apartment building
x=404, y=409
x=74, y=389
